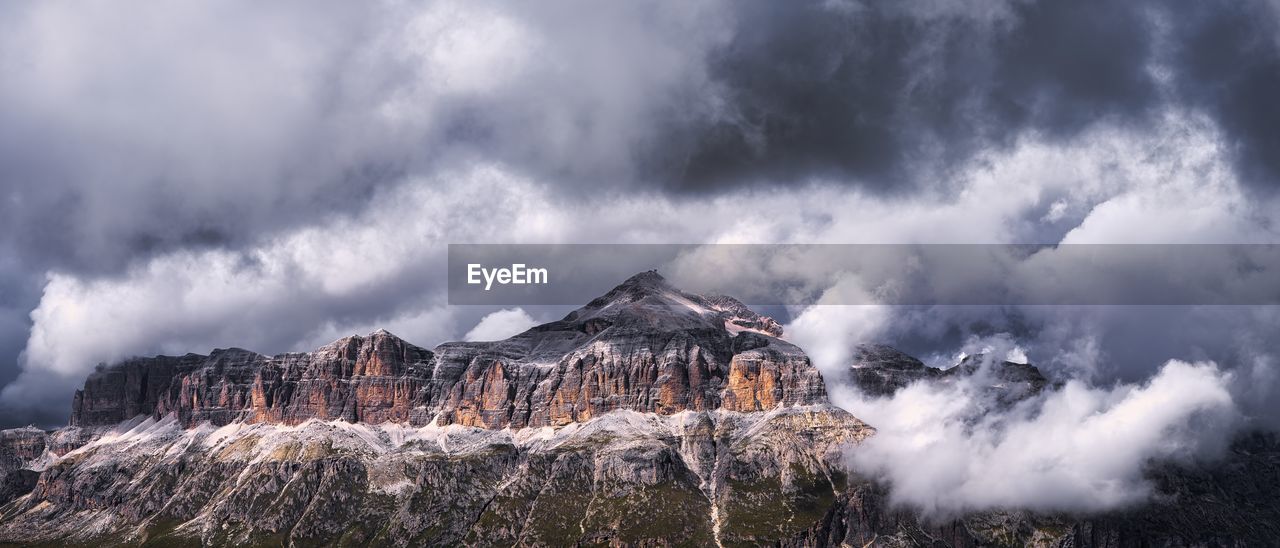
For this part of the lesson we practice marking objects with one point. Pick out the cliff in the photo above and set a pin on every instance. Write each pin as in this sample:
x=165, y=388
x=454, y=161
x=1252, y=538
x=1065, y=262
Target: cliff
x=880, y=370
x=644, y=346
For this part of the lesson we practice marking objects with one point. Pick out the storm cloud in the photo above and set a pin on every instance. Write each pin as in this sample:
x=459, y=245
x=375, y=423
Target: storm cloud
x=175, y=178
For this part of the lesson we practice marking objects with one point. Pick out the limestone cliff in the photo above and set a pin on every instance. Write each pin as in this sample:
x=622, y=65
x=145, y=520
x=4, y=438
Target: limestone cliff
x=644, y=346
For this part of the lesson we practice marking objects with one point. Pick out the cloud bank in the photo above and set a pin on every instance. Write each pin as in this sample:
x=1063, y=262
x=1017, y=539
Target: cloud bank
x=948, y=449
x=383, y=266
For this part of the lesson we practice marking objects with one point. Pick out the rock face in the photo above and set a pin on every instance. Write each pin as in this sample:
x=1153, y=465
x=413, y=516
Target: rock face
x=626, y=478
x=18, y=446
x=23, y=451
x=879, y=370
x=644, y=346
x=20, y=450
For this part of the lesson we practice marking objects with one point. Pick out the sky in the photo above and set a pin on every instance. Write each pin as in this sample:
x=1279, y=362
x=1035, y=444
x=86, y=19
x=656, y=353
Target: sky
x=181, y=177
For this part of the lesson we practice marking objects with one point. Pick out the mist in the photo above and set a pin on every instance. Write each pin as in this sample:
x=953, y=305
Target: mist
x=954, y=446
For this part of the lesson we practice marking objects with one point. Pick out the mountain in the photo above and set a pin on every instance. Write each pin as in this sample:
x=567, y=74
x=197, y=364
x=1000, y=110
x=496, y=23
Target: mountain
x=644, y=346
x=879, y=370
x=650, y=416
x=648, y=413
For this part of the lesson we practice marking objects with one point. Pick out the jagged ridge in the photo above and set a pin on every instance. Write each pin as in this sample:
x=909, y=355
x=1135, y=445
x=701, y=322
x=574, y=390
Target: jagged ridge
x=881, y=370
x=644, y=346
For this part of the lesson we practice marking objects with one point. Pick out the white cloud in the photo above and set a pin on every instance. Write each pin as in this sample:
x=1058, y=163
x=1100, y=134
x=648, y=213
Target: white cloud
x=344, y=274
x=147, y=127
x=828, y=332
x=947, y=449
x=469, y=48
x=500, y=325
x=294, y=292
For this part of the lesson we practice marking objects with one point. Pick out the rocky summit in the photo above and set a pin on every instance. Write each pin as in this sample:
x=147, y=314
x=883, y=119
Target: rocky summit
x=644, y=347
x=648, y=417
x=879, y=370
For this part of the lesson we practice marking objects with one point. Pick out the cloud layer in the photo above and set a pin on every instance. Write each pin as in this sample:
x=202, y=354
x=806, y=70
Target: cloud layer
x=948, y=449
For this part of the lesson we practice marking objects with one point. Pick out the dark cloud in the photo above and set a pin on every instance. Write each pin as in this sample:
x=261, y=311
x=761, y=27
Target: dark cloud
x=126, y=134
x=121, y=137
x=1068, y=64
x=873, y=93
x=19, y=294
x=14, y=327
x=1225, y=58
x=136, y=140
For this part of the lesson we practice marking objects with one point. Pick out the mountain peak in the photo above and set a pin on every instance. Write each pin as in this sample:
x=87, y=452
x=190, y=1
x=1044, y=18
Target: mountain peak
x=649, y=299
x=381, y=333
x=648, y=282
x=379, y=338
x=879, y=370
x=646, y=285
x=648, y=278
x=375, y=335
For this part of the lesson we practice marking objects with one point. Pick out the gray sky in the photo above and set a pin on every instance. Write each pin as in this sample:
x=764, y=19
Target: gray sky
x=179, y=177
